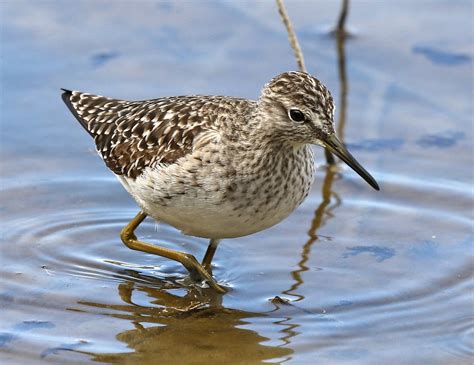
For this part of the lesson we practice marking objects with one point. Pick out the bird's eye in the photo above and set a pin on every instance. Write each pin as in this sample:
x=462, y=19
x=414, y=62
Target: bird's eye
x=296, y=115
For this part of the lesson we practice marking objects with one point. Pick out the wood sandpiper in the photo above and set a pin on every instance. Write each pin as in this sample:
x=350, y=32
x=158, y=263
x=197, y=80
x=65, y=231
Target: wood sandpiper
x=214, y=166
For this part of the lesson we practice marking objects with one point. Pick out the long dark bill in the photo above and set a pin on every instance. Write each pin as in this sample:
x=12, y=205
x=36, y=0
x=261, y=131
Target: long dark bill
x=335, y=146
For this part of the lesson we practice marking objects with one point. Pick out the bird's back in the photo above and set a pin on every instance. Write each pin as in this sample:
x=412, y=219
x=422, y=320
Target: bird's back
x=133, y=135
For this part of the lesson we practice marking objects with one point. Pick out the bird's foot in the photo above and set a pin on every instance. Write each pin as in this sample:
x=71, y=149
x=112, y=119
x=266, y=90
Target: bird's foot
x=199, y=273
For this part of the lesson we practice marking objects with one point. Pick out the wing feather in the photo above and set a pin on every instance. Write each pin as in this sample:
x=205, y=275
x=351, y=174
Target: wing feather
x=133, y=135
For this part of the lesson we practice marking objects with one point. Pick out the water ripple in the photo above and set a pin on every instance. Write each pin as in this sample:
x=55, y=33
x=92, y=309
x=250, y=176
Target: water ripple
x=70, y=233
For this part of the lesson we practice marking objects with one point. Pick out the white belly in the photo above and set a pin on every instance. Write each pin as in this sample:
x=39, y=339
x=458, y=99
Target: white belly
x=204, y=218
x=212, y=205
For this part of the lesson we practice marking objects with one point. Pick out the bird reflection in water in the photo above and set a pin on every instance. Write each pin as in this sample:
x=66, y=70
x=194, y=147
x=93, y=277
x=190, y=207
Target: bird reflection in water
x=191, y=328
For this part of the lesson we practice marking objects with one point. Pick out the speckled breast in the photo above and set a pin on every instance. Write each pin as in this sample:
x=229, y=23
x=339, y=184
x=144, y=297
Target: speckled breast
x=218, y=201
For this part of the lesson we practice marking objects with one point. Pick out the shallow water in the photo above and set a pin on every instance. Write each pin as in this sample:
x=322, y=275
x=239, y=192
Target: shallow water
x=353, y=276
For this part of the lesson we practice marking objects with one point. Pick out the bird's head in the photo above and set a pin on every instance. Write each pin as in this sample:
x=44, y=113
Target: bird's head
x=298, y=109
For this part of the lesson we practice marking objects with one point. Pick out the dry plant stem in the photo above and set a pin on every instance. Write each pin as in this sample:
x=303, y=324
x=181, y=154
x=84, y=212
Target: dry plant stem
x=340, y=33
x=291, y=36
x=341, y=55
x=341, y=58
x=342, y=17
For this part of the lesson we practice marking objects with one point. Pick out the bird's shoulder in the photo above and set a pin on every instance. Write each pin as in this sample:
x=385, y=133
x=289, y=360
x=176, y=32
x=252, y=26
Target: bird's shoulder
x=133, y=135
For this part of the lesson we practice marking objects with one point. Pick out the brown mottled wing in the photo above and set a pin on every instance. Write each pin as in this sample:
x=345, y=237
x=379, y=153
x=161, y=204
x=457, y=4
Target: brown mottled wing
x=132, y=135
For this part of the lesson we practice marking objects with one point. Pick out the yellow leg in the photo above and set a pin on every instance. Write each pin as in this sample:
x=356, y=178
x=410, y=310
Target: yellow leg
x=211, y=250
x=195, y=269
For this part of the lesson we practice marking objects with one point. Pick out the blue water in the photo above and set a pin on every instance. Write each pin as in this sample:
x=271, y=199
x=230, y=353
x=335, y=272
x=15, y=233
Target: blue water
x=353, y=277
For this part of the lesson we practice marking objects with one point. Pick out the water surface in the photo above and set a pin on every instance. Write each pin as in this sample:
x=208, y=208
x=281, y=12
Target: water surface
x=353, y=276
